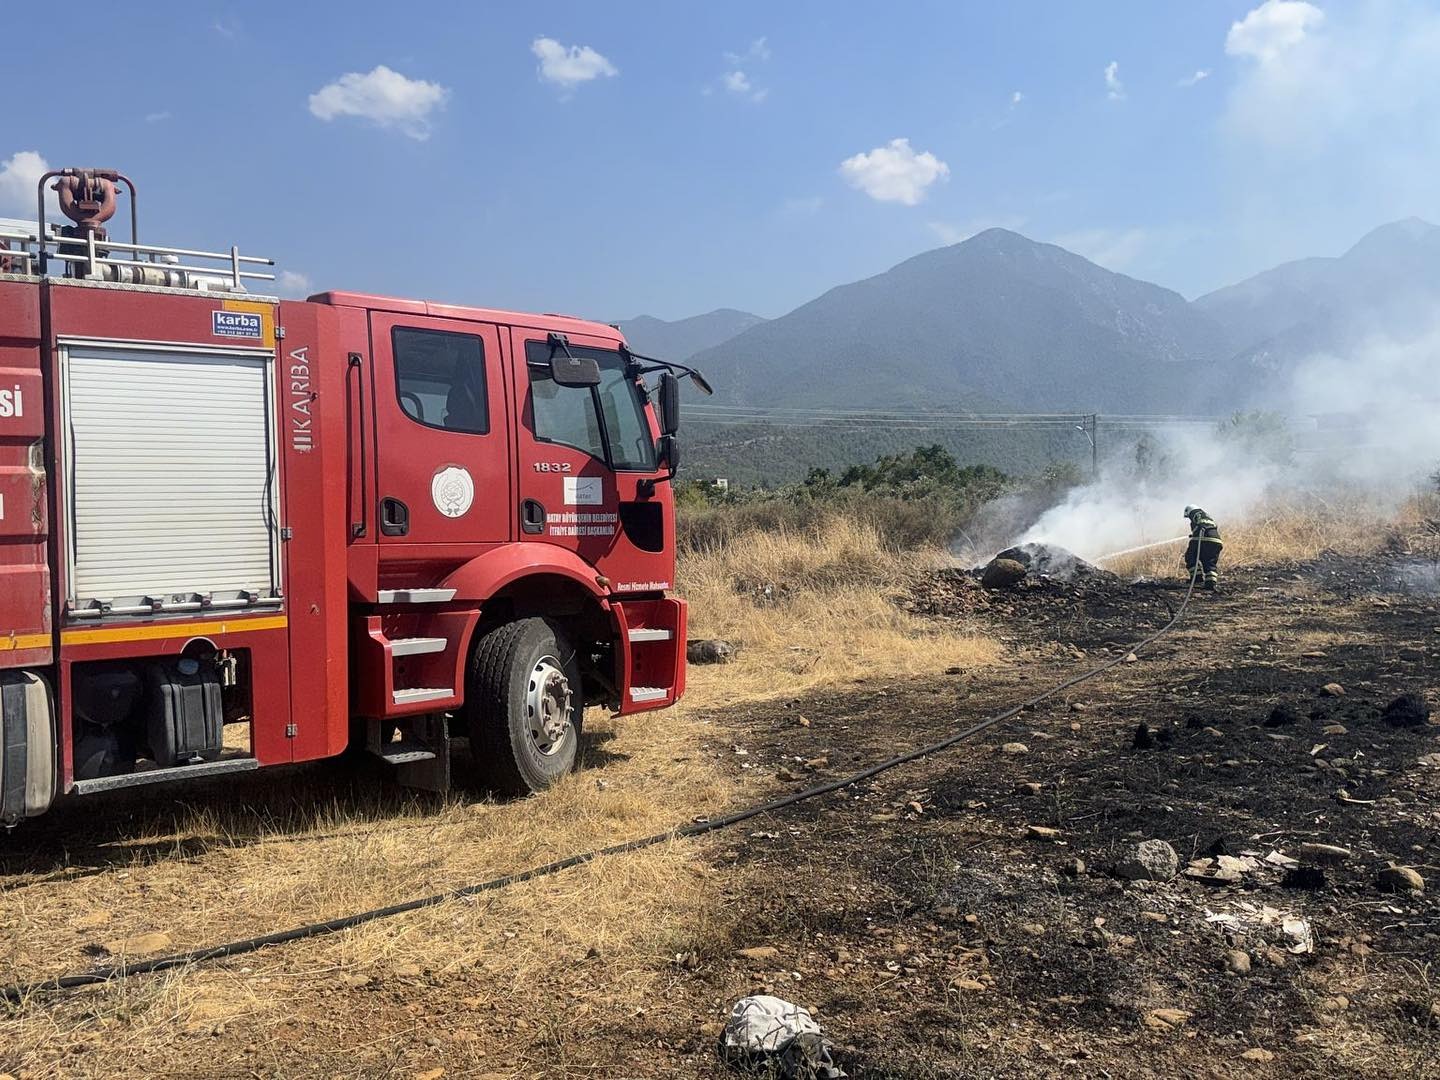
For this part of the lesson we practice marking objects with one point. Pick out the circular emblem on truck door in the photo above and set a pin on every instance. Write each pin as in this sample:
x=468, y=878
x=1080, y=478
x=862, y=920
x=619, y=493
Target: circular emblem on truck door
x=452, y=491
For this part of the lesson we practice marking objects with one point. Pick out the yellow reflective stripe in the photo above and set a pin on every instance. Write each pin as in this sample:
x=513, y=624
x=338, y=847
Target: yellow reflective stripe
x=24, y=641
x=171, y=630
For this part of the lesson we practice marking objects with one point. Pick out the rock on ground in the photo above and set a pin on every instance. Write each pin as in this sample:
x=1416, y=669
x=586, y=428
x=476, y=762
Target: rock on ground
x=1149, y=860
x=709, y=651
x=1003, y=574
x=1406, y=711
x=1400, y=879
x=1323, y=853
x=139, y=944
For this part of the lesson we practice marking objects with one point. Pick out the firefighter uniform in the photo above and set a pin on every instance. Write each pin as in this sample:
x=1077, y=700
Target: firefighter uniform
x=1205, y=545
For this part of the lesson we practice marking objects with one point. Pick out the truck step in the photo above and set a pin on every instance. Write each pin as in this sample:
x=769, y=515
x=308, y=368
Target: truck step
x=417, y=646
x=416, y=596
x=417, y=694
x=405, y=753
x=648, y=693
x=645, y=633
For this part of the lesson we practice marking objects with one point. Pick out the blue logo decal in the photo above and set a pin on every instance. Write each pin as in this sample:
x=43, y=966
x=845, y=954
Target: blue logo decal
x=235, y=324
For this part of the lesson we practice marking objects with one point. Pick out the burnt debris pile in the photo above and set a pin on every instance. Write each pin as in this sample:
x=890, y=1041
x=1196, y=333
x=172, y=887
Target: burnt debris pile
x=1038, y=561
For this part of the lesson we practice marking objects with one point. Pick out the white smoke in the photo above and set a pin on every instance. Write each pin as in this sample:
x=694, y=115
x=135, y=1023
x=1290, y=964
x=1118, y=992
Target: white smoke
x=1123, y=509
x=1365, y=426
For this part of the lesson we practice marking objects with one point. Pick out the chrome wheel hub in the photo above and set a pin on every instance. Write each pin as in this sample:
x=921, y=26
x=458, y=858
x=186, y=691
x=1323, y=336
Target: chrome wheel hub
x=549, y=705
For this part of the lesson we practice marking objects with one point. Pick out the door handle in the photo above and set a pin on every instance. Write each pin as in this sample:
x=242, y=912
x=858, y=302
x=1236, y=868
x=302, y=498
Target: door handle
x=532, y=517
x=361, y=527
x=394, y=517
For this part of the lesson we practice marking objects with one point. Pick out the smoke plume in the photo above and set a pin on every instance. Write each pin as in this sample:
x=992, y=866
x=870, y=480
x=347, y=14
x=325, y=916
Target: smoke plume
x=1361, y=426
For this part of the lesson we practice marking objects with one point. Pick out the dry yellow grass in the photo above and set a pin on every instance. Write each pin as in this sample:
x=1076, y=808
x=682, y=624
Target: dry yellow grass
x=250, y=871
x=814, y=607
x=1281, y=534
x=241, y=859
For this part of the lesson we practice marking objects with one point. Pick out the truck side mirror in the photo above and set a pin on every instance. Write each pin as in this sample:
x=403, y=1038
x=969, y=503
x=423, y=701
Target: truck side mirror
x=580, y=371
x=667, y=453
x=669, y=403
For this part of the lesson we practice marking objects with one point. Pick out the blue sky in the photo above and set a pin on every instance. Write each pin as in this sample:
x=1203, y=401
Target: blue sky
x=668, y=158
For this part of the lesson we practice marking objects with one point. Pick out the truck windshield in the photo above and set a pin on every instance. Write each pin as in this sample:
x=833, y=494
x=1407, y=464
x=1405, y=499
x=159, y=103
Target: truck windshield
x=606, y=421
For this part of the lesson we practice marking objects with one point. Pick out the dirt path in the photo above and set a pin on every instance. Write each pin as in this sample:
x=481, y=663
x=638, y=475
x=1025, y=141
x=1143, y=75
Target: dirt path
x=932, y=931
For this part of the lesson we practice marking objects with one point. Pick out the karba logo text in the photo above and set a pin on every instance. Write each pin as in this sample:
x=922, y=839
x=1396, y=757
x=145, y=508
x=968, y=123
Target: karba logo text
x=233, y=324
x=12, y=403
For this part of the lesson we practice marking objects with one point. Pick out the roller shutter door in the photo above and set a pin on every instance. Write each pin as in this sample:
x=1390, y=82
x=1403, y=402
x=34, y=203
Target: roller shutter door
x=171, y=486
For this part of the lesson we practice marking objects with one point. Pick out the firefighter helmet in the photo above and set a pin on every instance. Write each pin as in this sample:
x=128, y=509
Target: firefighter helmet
x=1190, y=509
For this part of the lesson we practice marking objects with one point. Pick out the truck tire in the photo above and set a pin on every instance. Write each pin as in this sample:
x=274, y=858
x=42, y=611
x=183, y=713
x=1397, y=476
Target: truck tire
x=524, y=706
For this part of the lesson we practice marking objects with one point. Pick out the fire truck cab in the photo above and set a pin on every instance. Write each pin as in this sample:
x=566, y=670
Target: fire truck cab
x=238, y=532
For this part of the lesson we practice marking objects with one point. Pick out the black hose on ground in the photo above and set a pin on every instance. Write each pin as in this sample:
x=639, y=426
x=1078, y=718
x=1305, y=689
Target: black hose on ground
x=19, y=991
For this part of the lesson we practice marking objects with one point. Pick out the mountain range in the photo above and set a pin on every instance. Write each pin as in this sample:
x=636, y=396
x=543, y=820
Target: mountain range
x=1002, y=322
x=685, y=337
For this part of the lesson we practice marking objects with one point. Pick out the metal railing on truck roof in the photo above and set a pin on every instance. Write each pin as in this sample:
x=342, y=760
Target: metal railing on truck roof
x=89, y=259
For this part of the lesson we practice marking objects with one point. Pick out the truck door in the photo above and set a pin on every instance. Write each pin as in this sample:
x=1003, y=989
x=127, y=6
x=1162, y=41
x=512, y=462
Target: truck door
x=583, y=454
x=441, y=436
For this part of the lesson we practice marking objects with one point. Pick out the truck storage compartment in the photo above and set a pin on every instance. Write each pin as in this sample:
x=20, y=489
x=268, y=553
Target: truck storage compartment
x=185, y=716
x=172, y=492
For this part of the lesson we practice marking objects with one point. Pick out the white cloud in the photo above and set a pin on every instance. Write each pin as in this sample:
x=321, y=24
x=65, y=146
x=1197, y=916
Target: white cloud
x=737, y=81
x=1331, y=130
x=758, y=50
x=738, y=84
x=1114, y=249
x=568, y=68
x=894, y=173
x=157, y=117
x=1360, y=85
x=18, y=178
x=1192, y=80
x=383, y=97
x=1114, y=88
x=1016, y=98
x=953, y=234
x=294, y=285
x=1272, y=28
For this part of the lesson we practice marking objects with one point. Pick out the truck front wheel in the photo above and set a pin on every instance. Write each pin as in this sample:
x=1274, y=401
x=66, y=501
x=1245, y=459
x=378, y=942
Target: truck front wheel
x=524, y=706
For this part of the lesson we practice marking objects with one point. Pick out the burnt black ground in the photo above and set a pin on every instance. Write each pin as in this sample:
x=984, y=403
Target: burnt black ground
x=877, y=908
x=935, y=936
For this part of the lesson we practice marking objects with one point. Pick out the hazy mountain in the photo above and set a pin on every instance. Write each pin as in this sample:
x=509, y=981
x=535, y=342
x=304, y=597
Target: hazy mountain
x=998, y=321
x=685, y=337
x=1388, y=285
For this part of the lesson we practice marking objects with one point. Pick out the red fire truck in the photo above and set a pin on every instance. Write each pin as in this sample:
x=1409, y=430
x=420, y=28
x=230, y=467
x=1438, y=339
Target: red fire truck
x=238, y=532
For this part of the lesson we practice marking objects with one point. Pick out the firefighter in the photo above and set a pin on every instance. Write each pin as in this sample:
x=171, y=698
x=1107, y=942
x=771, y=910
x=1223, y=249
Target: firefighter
x=1205, y=546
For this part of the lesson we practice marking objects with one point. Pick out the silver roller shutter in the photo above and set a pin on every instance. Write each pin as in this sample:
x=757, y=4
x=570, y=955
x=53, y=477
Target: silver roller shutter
x=170, y=482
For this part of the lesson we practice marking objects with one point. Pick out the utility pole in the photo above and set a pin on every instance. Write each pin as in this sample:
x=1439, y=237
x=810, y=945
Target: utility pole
x=1091, y=430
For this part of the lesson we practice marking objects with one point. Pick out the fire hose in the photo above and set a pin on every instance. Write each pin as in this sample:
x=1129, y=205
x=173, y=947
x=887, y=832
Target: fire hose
x=19, y=991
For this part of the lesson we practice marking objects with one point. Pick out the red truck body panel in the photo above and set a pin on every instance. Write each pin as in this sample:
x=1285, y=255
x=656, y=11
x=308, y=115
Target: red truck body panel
x=495, y=516
x=25, y=615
